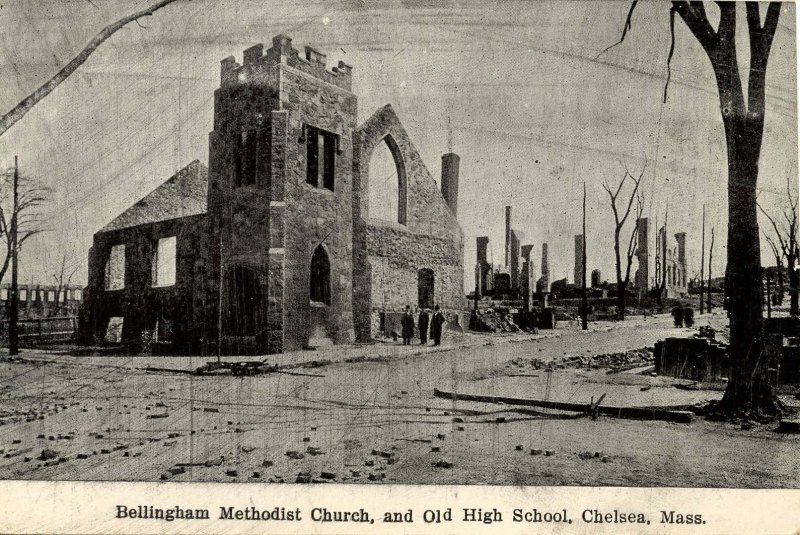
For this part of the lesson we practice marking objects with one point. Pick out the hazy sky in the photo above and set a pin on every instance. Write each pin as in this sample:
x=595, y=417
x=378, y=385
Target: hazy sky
x=514, y=87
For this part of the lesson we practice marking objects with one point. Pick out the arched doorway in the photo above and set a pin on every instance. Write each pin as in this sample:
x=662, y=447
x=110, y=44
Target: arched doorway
x=320, y=287
x=241, y=306
x=425, y=288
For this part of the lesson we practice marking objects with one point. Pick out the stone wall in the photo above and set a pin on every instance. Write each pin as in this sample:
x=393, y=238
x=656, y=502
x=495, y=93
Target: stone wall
x=274, y=226
x=139, y=302
x=316, y=215
x=238, y=225
x=388, y=255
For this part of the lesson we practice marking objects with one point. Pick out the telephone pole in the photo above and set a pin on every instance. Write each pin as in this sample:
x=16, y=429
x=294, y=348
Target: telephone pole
x=769, y=293
x=703, y=260
x=13, y=334
x=584, y=303
x=710, y=255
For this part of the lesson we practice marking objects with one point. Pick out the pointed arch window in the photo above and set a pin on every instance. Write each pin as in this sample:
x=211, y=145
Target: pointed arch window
x=388, y=190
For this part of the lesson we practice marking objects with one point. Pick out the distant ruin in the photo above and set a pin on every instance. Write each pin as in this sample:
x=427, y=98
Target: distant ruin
x=667, y=265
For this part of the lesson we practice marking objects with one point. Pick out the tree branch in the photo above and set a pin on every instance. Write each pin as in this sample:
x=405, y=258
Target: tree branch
x=760, y=45
x=624, y=30
x=636, y=181
x=778, y=233
x=694, y=16
x=671, y=49
x=19, y=111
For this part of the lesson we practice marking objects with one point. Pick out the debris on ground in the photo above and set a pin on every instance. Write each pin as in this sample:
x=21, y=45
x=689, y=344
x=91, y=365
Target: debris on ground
x=619, y=361
x=495, y=321
x=789, y=426
x=678, y=414
x=48, y=454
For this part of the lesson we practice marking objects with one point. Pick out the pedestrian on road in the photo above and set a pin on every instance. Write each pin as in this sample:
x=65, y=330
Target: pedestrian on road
x=408, y=326
x=423, y=326
x=436, y=325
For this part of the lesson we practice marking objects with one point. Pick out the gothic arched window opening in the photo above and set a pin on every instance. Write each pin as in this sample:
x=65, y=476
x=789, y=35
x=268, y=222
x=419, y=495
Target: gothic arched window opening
x=320, y=291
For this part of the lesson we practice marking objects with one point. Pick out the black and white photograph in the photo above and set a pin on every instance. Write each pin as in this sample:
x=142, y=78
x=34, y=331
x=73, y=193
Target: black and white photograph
x=400, y=242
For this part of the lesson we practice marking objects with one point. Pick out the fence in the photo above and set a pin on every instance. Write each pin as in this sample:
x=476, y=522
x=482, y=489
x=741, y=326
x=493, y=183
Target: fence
x=63, y=327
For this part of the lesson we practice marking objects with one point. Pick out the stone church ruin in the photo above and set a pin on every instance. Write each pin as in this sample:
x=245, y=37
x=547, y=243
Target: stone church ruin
x=273, y=247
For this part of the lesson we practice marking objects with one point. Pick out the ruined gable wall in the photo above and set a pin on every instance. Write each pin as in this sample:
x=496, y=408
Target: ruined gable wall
x=385, y=271
x=139, y=302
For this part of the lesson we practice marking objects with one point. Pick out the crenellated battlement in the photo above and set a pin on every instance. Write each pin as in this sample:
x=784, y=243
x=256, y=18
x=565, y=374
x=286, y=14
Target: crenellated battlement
x=256, y=63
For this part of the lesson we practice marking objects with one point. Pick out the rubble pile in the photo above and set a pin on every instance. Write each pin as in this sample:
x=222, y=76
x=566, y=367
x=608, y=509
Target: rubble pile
x=706, y=331
x=490, y=320
x=622, y=360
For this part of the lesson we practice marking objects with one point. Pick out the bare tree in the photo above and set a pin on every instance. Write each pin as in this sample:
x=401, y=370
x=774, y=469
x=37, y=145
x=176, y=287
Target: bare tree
x=694, y=281
x=18, y=112
x=778, y=265
x=619, y=223
x=787, y=240
x=743, y=120
x=65, y=270
x=30, y=219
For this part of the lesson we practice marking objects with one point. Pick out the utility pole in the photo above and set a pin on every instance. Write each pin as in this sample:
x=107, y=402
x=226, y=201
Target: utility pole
x=219, y=295
x=710, y=255
x=13, y=333
x=769, y=293
x=664, y=256
x=703, y=260
x=584, y=303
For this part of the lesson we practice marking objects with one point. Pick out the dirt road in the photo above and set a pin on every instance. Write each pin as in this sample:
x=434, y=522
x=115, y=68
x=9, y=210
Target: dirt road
x=375, y=421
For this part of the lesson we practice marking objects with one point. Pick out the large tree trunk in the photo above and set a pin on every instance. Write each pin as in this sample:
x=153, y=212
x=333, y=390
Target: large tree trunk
x=621, y=301
x=748, y=391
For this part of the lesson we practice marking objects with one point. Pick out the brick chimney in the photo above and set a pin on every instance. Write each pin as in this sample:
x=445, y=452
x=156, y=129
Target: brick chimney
x=450, y=162
x=508, y=236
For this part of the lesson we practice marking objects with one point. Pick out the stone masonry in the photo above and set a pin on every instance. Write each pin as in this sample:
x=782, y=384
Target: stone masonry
x=279, y=252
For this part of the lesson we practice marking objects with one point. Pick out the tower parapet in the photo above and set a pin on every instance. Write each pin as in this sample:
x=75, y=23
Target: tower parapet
x=258, y=65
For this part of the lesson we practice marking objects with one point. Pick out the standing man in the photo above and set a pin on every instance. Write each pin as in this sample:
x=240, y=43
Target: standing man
x=408, y=326
x=423, y=326
x=436, y=325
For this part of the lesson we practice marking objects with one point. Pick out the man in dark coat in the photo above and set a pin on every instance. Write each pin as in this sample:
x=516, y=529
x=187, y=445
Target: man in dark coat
x=408, y=326
x=436, y=325
x=423, y=326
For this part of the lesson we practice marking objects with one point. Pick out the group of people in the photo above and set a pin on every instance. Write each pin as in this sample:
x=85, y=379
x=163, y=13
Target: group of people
x=425, y=320
x=683, y=316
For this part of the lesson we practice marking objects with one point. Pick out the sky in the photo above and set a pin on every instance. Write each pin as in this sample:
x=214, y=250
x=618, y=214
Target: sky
x=515, y=88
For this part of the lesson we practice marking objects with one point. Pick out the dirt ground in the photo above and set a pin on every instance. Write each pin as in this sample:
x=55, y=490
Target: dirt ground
x=374, y=419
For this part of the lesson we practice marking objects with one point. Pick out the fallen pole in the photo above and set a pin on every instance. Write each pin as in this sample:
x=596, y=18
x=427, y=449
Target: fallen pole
x=667, y=414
